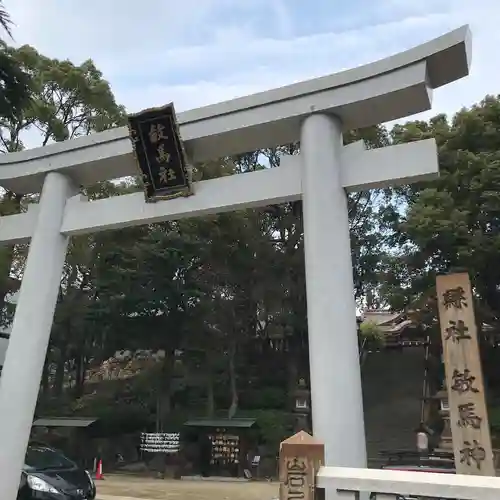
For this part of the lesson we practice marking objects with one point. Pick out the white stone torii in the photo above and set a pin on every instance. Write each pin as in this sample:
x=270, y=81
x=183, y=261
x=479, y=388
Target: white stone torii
x=314, y=112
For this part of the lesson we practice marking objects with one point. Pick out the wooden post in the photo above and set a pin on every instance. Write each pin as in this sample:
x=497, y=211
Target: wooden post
x=464, y=380
x=301, y=456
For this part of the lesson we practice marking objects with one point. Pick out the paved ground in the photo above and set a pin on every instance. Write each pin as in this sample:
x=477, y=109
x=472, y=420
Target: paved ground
x=132, y=488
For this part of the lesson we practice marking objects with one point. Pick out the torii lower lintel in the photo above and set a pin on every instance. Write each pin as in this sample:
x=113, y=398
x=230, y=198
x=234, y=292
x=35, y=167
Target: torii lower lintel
x=361, y=169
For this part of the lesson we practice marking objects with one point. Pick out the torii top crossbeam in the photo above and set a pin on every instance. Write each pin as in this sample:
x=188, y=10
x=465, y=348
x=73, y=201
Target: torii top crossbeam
x=394, y=87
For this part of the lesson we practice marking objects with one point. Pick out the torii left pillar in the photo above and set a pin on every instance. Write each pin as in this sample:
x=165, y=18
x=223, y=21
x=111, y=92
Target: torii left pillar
x=31, y=331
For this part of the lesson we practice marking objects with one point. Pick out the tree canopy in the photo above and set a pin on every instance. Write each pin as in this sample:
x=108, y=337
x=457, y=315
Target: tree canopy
x=14, y=82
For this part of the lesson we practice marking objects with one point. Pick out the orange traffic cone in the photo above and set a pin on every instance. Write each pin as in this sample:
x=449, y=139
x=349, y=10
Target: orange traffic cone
x=98, y=473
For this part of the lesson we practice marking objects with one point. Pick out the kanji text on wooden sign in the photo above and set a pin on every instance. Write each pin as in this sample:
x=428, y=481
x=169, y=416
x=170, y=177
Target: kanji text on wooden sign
x=301, y=456
x=159, y=153
x=464, y=380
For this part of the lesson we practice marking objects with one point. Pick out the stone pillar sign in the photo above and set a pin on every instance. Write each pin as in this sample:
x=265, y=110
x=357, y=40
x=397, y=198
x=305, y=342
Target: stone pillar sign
x=464, y=380
x=301, y=456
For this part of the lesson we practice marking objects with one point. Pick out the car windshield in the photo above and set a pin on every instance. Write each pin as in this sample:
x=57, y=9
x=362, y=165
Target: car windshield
x=43, y=458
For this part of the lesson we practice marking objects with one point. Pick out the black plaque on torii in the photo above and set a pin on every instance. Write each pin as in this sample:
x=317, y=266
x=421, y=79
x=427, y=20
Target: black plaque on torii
x=159, y=153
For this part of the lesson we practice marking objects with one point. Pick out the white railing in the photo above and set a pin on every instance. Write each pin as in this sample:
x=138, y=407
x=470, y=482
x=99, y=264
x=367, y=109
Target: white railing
x=390, y=484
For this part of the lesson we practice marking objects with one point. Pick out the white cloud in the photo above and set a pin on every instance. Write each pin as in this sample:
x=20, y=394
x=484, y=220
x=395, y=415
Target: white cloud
x=203, y=51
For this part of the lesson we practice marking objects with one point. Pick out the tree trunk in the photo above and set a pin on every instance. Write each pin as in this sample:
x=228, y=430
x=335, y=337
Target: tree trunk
x=14, y=208
x=80, y=367
x=59, y=376
x=45, y=375
x=293, y=369
x=210, y=389
x=165, y=387
x=232, y=380
x=158, y=410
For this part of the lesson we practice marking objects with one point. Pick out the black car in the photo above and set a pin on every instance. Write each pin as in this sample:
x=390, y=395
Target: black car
x=49, y=475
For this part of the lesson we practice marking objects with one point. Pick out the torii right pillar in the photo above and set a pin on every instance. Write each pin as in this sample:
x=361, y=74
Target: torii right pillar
x=336, y=394
x=327, y=168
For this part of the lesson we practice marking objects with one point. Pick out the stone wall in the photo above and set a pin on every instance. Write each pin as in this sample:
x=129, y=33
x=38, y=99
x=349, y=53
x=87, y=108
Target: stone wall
x=392, y=391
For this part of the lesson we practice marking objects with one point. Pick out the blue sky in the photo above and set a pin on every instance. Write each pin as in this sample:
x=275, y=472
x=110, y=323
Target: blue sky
x=198, y=52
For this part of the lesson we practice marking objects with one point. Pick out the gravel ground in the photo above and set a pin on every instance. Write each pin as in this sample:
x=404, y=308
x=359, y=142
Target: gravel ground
x=132, y=488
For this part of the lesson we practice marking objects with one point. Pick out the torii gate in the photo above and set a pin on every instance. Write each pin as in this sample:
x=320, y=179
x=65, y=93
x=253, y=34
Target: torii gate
x=314, y=111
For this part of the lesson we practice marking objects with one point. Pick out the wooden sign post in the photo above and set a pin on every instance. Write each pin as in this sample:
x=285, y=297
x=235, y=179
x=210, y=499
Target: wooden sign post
x=468, y=413
x=301, y=456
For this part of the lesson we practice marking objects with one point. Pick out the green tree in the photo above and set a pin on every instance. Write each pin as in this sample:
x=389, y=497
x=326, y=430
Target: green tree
x=5, y=20
x=452, y=223
x=14, y=82
x=76, y=338
x=67, y=101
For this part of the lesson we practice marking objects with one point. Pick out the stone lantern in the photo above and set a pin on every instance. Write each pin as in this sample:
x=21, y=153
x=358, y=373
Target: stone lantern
x=446, y=442
x=302, y=406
